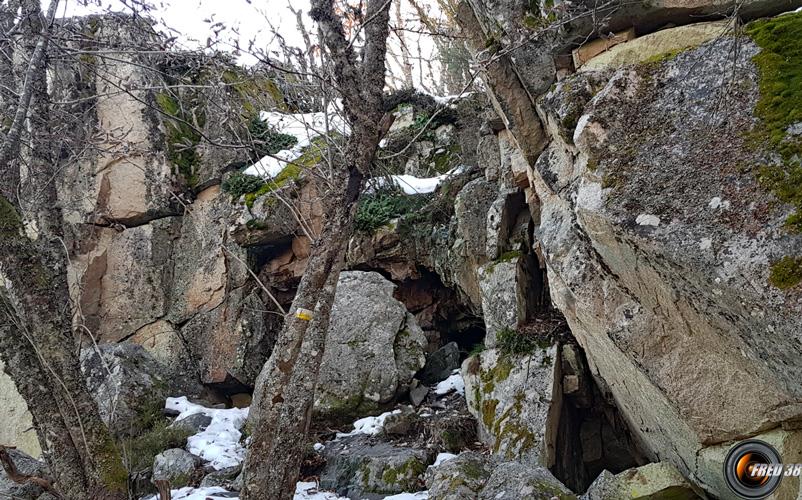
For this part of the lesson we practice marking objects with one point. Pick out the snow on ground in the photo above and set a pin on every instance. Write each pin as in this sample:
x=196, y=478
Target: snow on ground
x=453, y=383
x=371, y=426
x=411, y=184
x=442, y=457
x=219, y=443
x=421, y=495
x=309, y=491
x=303, y=126
x=189, y=493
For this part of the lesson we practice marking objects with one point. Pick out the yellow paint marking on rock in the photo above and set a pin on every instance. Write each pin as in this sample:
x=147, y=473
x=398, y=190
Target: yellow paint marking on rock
x=304, y=314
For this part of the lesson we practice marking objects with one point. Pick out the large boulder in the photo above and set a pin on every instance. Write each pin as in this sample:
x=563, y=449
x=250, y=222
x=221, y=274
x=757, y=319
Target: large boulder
x=374, y=347
x=657, y=481
x=663, y=245
x=130, y=386
x=358, y=468
x=516, y=399
x=473, y=475
x=176, y=466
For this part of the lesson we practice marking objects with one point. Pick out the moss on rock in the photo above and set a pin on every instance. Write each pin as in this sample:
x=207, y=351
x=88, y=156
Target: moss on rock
x=786, y=273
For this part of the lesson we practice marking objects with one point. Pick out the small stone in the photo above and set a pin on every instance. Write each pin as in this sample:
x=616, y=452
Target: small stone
x=418, y=394
x=647, y=220
x=570, y=384
x=222, y=477
x=400, y=423
x=242, y=400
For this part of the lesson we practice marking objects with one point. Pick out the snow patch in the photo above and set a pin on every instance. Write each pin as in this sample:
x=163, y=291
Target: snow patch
x=303, y=126
x=453, y=383
x=648, y=220
x=190, y=493
x=410, y=184
x=318, y=447
x=309, y=491
x=442, y=457
x=421, y=495
x=371, y=426
x=219, y=443
x=580, y=127
x=717, y=202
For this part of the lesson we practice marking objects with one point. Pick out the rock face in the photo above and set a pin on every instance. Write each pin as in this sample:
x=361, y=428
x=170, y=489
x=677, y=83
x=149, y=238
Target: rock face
x=610, y=273
x=129, y=385
x=517, y=400
x=17, y=428
x=374, y=346
x=662, y=238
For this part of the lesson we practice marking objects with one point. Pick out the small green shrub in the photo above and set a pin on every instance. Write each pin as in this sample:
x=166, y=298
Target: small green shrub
x=239, y=184
x=377, y=209
x=267, y=140
x=476, y=350
x=140, y=451
x=510, y=341
x=786, y=272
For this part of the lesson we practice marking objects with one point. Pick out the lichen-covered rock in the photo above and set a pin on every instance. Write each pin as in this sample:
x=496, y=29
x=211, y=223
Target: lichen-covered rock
x=653, y=212
x=373, y=349
x=657, y=481
x=222, y=477
x=359, y=468
x=660, y=44
x=459, y=478
x=130, y=386
x=517, y=400
x=176, y=466
x=514, y=481
x=112, y=265
x=499, y=285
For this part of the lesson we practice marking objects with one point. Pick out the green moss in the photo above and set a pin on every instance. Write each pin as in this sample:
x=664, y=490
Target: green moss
x=517, y=435
x=512, y=342
x=473, y=470
x=238, y=184
x=110, y=466
x=489, y=412
x=665, y=56
x=251, y=90
x=141, y=450
x=505, y=257
x=375, y=210
x=405, y=477
x=10, y=222
x=786, y=273
x=780, y=106
x=182, y=134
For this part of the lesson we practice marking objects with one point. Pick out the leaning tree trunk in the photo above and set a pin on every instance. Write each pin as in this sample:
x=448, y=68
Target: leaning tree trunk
x=284, y=394
x=37, y=343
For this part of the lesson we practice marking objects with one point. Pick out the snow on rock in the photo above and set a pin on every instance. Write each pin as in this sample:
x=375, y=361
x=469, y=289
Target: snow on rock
x=442, y=457
x=219, y=443
x=421, y=495
x=309, y=491
x=190, y=493
x=647, y=220
x=453, y=383
x=303, y=126
x=371, y=426
x=410, y=184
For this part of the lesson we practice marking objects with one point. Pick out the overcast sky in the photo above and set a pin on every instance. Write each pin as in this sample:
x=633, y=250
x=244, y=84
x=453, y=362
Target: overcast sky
x=193, y=19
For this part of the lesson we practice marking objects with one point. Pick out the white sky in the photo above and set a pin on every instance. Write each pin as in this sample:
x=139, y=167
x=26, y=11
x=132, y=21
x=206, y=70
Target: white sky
x=245, y=21
x=194, y=19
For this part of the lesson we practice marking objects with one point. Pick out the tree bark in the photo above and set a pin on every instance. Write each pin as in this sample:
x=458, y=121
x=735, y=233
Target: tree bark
x=36, y=338
x=284, y=394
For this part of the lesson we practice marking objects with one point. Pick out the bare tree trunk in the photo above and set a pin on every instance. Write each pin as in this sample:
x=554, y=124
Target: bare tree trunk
x=36, y=338
x=284, y=395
